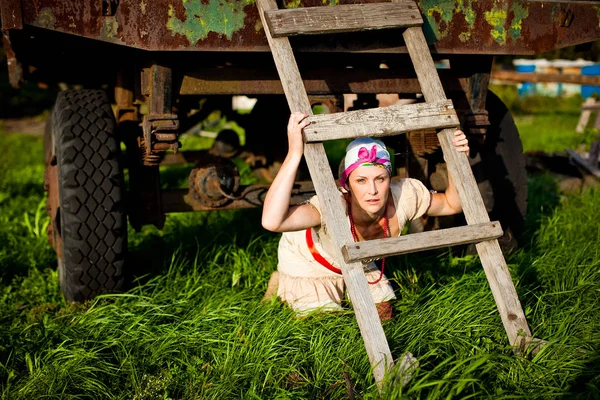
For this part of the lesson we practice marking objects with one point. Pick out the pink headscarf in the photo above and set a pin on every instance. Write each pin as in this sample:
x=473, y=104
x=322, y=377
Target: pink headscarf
x=365, y=151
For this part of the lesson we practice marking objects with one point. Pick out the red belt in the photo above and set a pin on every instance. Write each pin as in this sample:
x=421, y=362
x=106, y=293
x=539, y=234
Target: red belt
x=321, y=260
x=318, y=257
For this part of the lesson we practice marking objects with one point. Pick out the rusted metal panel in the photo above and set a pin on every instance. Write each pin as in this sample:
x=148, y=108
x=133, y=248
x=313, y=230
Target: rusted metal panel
x=256, y=82
x=11, y=14
x=507, y=26
x=15, y=69
x=250, y=81
x=451, y=26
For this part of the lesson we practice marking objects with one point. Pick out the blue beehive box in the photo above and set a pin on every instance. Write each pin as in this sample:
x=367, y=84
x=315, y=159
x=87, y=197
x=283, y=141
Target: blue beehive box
x=588, y=90
x=526, y=88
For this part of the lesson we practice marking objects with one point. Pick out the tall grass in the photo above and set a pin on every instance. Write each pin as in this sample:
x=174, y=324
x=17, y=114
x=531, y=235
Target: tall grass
x=191, y=325
x=23, y=240
x=546, y=123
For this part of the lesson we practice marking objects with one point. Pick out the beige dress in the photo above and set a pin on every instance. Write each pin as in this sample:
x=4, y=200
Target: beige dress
x=307, y=285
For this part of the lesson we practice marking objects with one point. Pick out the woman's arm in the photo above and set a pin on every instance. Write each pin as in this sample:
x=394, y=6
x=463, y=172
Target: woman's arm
x=447, y=203
x=277, y=215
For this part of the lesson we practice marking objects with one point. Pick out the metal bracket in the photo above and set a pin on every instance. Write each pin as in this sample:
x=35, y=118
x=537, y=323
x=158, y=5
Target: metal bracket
x=160, y=133
x=160, y=127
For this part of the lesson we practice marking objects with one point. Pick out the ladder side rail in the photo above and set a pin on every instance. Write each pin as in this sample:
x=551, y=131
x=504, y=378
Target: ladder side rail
x=332, y=207
x=597, y=121
x=589, y=105
x=490, y=254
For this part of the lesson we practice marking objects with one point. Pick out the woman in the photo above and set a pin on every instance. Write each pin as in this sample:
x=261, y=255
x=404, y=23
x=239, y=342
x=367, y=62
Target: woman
x=308, y=276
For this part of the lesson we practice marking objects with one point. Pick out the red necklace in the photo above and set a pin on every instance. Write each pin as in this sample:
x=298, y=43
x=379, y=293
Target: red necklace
x=386, y=233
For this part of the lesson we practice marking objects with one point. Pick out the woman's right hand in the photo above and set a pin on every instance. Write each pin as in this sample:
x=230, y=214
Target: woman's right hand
x=277, y=215
x=296, y=123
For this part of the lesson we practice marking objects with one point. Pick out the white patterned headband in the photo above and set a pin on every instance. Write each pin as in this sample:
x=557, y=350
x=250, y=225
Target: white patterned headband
x=367, y=152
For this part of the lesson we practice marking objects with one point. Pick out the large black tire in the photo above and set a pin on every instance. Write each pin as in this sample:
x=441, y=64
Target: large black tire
x=499, y=167
x=498, y=164
x=91, y=218
x=504, y=183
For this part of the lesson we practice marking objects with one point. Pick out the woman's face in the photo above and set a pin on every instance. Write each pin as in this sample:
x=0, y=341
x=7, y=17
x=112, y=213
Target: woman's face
x=369, y=187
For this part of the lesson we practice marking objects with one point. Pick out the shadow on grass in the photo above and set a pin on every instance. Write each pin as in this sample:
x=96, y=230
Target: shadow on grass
x=544, y=198
x=191, y=236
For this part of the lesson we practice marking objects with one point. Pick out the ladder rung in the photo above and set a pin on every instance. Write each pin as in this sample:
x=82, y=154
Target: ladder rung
x=592, y=107
x=343, y=18
x=414, y=242
x=377, y=122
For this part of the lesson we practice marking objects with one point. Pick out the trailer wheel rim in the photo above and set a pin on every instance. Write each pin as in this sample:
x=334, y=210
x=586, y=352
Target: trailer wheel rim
x=53, y=209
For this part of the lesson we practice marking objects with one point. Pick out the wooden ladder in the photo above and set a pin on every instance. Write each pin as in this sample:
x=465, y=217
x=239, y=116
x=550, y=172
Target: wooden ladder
x=437, y=112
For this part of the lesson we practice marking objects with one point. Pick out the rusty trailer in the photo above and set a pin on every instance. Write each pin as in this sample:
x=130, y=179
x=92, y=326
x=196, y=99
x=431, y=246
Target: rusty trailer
x=154, y=60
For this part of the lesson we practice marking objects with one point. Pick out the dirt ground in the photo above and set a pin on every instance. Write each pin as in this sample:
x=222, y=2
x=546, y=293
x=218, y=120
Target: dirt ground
x=26, y=125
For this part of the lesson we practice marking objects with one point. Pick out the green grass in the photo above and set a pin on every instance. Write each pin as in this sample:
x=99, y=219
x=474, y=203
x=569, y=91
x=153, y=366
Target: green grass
x=548, y=132
x=546, y=123
x=192, y=325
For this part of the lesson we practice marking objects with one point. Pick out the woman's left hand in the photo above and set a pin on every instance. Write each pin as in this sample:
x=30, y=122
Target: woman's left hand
x=460, y=142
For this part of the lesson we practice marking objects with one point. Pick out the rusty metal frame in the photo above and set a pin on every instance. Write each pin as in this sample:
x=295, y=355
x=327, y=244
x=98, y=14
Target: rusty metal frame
x=11, y=18
x=160, y=126
x=251, y=196
x=11, y=14
x=515, y=26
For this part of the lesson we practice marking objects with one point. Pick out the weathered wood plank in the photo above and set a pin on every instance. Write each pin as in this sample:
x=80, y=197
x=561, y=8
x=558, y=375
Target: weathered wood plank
x=255, y=81
x=423, y=241
x=342, y=18
x=492, y=259
x=586, y=113
x=597, y=121
x=332, y=208
x=536, y=77
x=593, y=107
x=377, y=122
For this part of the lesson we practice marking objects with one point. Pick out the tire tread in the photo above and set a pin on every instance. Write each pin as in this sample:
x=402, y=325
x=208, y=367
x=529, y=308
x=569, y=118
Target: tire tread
x=93, y=212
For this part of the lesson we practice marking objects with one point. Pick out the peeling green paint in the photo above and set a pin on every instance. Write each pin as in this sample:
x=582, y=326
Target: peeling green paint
x=46, y=18
x=497, y=18
x=109, y=28
x=331, y=2
x=442, y=12
x=293, y=3
x=470, y=15
x=464, y=36
x=258, y=25
x=438, y=10
x=520, y=13
x=220, y=16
